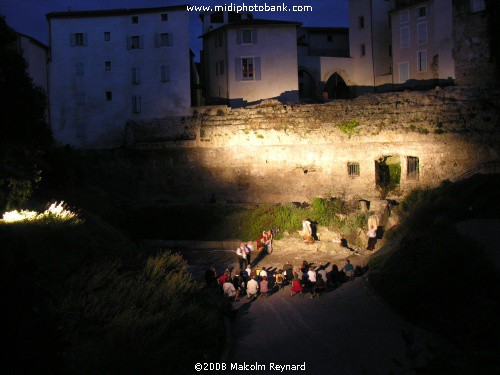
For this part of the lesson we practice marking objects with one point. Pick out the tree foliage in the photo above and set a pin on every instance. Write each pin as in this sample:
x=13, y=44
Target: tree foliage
x=24, y=133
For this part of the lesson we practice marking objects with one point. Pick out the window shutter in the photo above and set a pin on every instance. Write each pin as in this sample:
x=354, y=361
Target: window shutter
x=238, y=37
x=129, y=42
x=141, y=42
x=72, y=39
x=170, y=39
x=237, y=69
x=158, y=40
x=85, y=39
x=254, y=36
x=256, y=62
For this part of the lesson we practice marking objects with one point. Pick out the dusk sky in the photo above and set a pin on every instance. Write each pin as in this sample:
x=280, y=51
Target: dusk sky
x=28, y=16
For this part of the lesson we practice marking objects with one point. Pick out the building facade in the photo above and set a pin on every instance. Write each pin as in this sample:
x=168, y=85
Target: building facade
x=35, y=53
x=422, y=42
x=250, y=60
x=108, y=67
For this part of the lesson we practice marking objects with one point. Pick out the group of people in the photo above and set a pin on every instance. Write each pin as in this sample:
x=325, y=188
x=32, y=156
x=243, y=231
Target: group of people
x=256, y=281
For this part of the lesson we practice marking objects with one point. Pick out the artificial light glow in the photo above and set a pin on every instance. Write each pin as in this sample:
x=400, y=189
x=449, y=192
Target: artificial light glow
x=57, y=210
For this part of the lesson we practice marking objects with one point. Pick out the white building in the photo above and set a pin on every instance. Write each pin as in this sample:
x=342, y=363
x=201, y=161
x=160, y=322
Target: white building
x=250, y=60
x=110, y=66
x=35, y=53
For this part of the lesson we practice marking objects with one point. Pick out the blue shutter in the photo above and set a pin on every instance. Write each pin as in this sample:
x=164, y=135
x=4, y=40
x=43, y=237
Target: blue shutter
x=72, y=39
x=254, y=36
x=238, y=36
x=85, y=39
x=170, y=39
x=256, y=66
x=141, y=42
x=237, y=69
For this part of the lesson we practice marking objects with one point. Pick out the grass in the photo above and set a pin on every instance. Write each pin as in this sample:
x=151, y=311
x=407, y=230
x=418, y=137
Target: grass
x=349, y=127
x=441, y=280
x=79, y=297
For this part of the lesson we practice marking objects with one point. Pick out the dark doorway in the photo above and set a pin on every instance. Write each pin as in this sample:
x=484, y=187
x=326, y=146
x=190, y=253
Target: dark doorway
x=388, y=174
x=335, y=88
x=307, y=87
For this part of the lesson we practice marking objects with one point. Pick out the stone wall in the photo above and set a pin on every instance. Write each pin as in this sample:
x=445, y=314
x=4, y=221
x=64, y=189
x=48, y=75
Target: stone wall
x=280, y=153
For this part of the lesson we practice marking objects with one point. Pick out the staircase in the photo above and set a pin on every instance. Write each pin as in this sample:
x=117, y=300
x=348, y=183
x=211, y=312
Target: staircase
x=489, y=167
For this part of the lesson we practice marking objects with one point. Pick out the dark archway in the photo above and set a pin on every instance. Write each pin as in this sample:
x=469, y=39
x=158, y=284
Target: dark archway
x=307, y=86
x=388, y=174
x=335, y=88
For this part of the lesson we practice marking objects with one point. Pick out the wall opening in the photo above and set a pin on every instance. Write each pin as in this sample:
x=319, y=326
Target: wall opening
x=388, y=174
x=412, y=168
x=307, y=86
x=335, y=88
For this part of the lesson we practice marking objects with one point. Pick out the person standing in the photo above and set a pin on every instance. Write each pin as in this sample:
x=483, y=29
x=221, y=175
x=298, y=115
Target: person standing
x=240, y=252
x=248, y=251
x=268, y=242
x=372, y=238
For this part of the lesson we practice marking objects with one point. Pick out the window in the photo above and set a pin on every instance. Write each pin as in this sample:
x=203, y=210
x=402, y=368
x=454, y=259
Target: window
x=109, y=96
x=422, y=61
x=136, y=104
x=135, y=19
x=353, y=169
x=78, y=39
x=412, y=168
x=329, y=38
x=163, y=40
x=363, y=50
x=165, y=73
x=477, y=6
x=246, y=36
x=247, y=68
x=136, y=75
x=164, y=17
x=405, y=37
x=107, y=65
x=361, y=22
x=233, y=17
x=80, y=98
x=107, y=36
x=404, y=16
x=135, y=42
x=422, y=33
x=403, y=72
x=422, y=12
x=79, y=69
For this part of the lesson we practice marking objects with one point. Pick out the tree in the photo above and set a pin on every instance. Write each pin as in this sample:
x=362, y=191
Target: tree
x=24, y=133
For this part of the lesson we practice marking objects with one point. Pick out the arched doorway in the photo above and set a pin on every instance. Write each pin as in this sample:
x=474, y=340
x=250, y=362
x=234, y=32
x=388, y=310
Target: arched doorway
x=335, y=88
x=307, y=86
x=388, y=174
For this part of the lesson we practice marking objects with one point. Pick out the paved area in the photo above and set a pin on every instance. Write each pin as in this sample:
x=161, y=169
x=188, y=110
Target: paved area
x=349, y=330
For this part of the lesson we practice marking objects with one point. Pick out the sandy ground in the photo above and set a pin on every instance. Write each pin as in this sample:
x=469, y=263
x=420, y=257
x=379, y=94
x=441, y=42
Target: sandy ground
x=349, y=330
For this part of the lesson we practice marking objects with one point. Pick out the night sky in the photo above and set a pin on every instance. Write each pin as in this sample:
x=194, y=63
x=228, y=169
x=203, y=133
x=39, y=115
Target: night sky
x=28, y=16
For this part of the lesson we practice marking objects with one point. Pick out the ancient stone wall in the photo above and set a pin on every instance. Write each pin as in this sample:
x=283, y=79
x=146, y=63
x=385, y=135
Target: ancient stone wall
x=281, y=153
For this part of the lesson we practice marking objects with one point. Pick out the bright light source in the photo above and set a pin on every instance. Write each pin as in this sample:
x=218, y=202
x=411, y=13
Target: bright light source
x=57, y=210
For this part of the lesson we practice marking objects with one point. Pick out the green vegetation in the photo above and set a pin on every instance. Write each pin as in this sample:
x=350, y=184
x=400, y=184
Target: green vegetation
x=349, y=127
x=78, y=297
x=223, y=221
x=440, y=279
x=388, y=170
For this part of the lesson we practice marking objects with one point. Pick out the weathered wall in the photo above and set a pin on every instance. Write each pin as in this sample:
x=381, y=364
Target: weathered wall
x=276, y=153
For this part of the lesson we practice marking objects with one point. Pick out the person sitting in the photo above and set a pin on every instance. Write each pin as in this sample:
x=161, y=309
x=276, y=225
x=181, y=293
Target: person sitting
x=239, y=281
x=295, y=287
x=319, y=287
x=335, y=276
x=263, y=272
x=288, y=271
x=311, y=277
x=252, y=288
x=248, y=271
x=280, y=279
x=229, y=290
x=264, y=287
x=322, y=272
x=306, y=232
x=210, y=276
x=348, y=270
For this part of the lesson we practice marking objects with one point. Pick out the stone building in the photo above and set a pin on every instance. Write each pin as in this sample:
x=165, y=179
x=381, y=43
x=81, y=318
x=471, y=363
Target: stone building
x=110, y=66
x=35, y=53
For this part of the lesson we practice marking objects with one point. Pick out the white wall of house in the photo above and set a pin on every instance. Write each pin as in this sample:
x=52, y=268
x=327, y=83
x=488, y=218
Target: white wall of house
x=275, y=63
x=35, y=54
x=81, y=112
